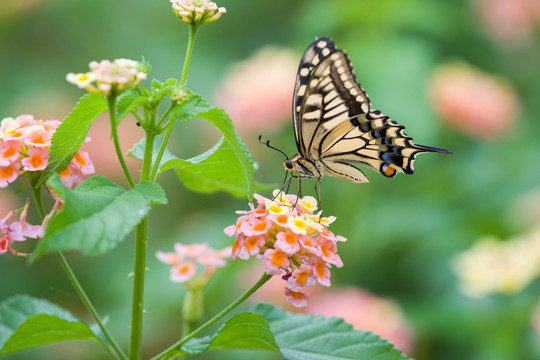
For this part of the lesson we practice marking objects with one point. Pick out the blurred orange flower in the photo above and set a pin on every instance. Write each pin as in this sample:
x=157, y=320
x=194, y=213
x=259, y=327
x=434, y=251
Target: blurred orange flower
x=473, y=102
x=257, y=93
x=510, y=22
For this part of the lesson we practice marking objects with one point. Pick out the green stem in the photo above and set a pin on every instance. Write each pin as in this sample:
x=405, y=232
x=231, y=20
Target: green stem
x=171, y=351
x=36, y=191
x=112, y=116
x=78, y=288
x=187, y=59
x=82, y=294
x=140, y=262
x=160, y=122
x=163, y=146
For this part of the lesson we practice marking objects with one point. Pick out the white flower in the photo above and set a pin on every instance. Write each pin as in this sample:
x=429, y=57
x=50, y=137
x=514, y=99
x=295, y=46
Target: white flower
x=197, y=12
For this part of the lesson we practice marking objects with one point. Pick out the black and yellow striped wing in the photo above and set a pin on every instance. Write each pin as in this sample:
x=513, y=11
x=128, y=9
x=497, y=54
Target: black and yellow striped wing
x=335, y=126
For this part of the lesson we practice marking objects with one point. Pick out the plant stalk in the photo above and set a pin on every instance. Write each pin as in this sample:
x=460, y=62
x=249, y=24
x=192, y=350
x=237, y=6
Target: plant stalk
x=174, y=349
x=141, y=244
x=111, y=100
x=189, y=51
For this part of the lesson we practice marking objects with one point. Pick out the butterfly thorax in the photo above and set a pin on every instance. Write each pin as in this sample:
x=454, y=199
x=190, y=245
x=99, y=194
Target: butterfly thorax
x=305, y=168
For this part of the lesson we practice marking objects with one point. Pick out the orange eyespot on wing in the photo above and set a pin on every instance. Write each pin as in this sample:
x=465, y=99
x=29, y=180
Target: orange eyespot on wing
x=388, y=170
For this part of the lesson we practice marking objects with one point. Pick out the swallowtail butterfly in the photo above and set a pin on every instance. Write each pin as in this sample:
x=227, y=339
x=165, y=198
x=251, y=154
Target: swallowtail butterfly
x=335, y=126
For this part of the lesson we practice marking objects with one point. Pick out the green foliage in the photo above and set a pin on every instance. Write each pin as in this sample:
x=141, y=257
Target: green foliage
x=296, y=337
x=243, y=331
x=70, y=135
x=27, y=322
x=227, y=166
x=97, y=215
x=127, y=102
x=308, y=337
x=217, y=169
x=190, y=108
x=138, y=151
x=222, y=121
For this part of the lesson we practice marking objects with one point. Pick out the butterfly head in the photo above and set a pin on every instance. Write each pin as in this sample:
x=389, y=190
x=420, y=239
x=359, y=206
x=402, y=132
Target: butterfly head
x=288, y=165
x=304, y=167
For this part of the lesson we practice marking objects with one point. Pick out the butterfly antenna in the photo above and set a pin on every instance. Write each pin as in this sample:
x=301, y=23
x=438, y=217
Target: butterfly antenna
x=267, y=143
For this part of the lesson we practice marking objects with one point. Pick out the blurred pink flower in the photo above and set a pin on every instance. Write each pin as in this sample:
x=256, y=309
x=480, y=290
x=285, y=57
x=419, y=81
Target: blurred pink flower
x=510, y=22
x=473, y=102
x=257, y=93
x=11, y=231
x=187, y=259
x=365, y=311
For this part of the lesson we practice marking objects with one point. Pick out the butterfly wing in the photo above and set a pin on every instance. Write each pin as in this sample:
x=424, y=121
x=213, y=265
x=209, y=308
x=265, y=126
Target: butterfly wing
x=335, y=126
x=326, y=94
x=372, y=140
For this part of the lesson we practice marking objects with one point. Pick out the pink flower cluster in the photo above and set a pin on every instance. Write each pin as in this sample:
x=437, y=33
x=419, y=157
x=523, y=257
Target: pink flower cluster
x=24, y=147
x=292, y=240
x=18, y=231
x=110, y=77
x=197, y=12
x=187, y=260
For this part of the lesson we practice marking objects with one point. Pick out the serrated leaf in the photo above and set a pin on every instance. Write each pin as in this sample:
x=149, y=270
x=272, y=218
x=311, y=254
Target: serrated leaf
x=138, y=151
x=126, y=102
x=217, y=169
x=27, y=322
x=309, y=337
x=189, y=109
x=243, y=331
x=97, y=215
x=69, y=136
x=222, y=121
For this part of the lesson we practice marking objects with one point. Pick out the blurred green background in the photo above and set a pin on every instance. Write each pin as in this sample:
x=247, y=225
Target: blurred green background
x=403, y=232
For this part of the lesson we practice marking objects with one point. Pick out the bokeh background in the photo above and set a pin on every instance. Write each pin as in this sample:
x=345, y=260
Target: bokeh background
x=463, y=75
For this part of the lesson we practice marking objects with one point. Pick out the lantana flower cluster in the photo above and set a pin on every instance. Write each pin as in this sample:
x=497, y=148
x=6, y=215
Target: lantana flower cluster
x=24, y=149
x=292, y=240
x=11, y=231
x=197, y=12
x=495, y=266
x=110, y=77
x=194, y=264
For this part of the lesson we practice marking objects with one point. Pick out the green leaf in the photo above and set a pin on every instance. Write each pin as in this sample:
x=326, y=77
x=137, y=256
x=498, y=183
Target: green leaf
x=217, y=169
x=309, y=337
x=97, y=215
x=128, y=101
x=243, y=331
x=138, y=151
x=220, y=119
x=190, y=109
x=69, y=136
x=27, y=322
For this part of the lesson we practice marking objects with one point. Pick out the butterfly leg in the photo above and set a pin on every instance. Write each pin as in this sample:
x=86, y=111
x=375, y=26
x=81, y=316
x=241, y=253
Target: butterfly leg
x=318, y=193
x=299, y=191
x=286, y=182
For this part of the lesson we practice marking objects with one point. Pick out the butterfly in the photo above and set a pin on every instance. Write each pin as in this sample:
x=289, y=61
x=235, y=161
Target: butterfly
x=335, y=127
